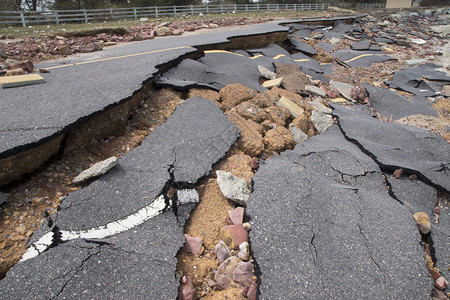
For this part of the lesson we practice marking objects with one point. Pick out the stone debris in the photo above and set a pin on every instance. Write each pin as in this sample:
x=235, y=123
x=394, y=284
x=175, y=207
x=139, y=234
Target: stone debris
x=321, y=121
x=222, y=251
x=293, y=108
x=271, y=83
x=192, y=245
x=97, y=169
x=232, y=187
x=422, y=222
x=186, y=290
x=244, y=251
x=315, y=90
x=234, y=235
x=344, y=89
x=298, y=135
x=266, y=73
x=185, y=196
x=237, y=215
x=441, y=283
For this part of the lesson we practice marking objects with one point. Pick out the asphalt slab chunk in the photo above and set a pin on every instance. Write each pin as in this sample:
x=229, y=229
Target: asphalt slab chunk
x=395, y=106
x=356, y=59
x=412, y=79
x=215, y=70
x=414, y=194
x=396, y=146
x=319, y=215
x=302, y=47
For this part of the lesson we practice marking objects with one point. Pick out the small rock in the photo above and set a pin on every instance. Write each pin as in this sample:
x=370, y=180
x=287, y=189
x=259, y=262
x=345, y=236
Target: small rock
x=252, y=292
x=224, y=274
x=87, y=49
x=298, y=134
x=247, y=226
x=293, y=108
x=397, y=173
x=254, y=163
x=162, y=31
x=314, y=90
x=185, y=196
x=333, y=93
x=186, y=290
x=98, y=46
x=343, y=88
x=441, y=283
x=143, y=20
x=42, y=70
x=65, y=50
x=98, y=169
x=339, y=100
x=192, y=245
x=243, y=274
x=418, y=41
x=15, y=72
x=244, y=251
x=437, y=210
x=321, y=121
x=232, y=187
x=334, y=40
x=413, y=177
x=236, y=215
x=358, y=93
x=422, y=222
x=266, y=73
x=222, y=251
x=438, y=295
x=316, y=105
x=212, y=25
x=414, y=62
x=271, y=83
x=21, y=229
x=234, y=235
x=27, y=66
x=316, y=82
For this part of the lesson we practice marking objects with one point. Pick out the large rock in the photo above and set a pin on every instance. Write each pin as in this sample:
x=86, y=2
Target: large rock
x=97, y=169
x=232, y=187
x=323, y=214
x=396, y=146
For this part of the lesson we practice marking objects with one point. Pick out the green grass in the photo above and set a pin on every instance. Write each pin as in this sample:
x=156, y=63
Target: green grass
x=52, y=29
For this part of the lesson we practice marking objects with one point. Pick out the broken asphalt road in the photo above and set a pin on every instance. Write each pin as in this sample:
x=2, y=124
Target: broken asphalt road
x=107, y=227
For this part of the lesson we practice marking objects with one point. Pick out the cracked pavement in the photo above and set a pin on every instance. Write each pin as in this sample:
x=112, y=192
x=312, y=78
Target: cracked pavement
x=180, y=152
x=324, y=226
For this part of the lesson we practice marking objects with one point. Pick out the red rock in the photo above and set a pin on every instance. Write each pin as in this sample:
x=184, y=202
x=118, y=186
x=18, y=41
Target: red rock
x=437, y=210
x=254, y=163
x=186, y=291
x=358, y=93
x=192, y=245
x=243, y=274
x=244, y=292
x=222, y=251
x=413, y=177
x=43, y=70
x=234, y=235
x=65, y=50
x=333, y=93
x=178, y=32
x=438, y=295
x=191, y=28
x=397, y=173
x=237, y=215
x=441, y=283
x=252, y=291
x=264, y=156
x=224, y=274
x=27, y=66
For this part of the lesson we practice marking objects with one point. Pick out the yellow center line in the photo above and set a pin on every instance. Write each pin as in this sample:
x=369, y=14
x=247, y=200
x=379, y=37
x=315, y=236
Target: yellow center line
x=358, y=57
x=117, y=57
x=223, y=51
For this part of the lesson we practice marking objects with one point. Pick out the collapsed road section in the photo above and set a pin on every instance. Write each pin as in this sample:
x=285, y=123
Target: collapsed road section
x=316, y=199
